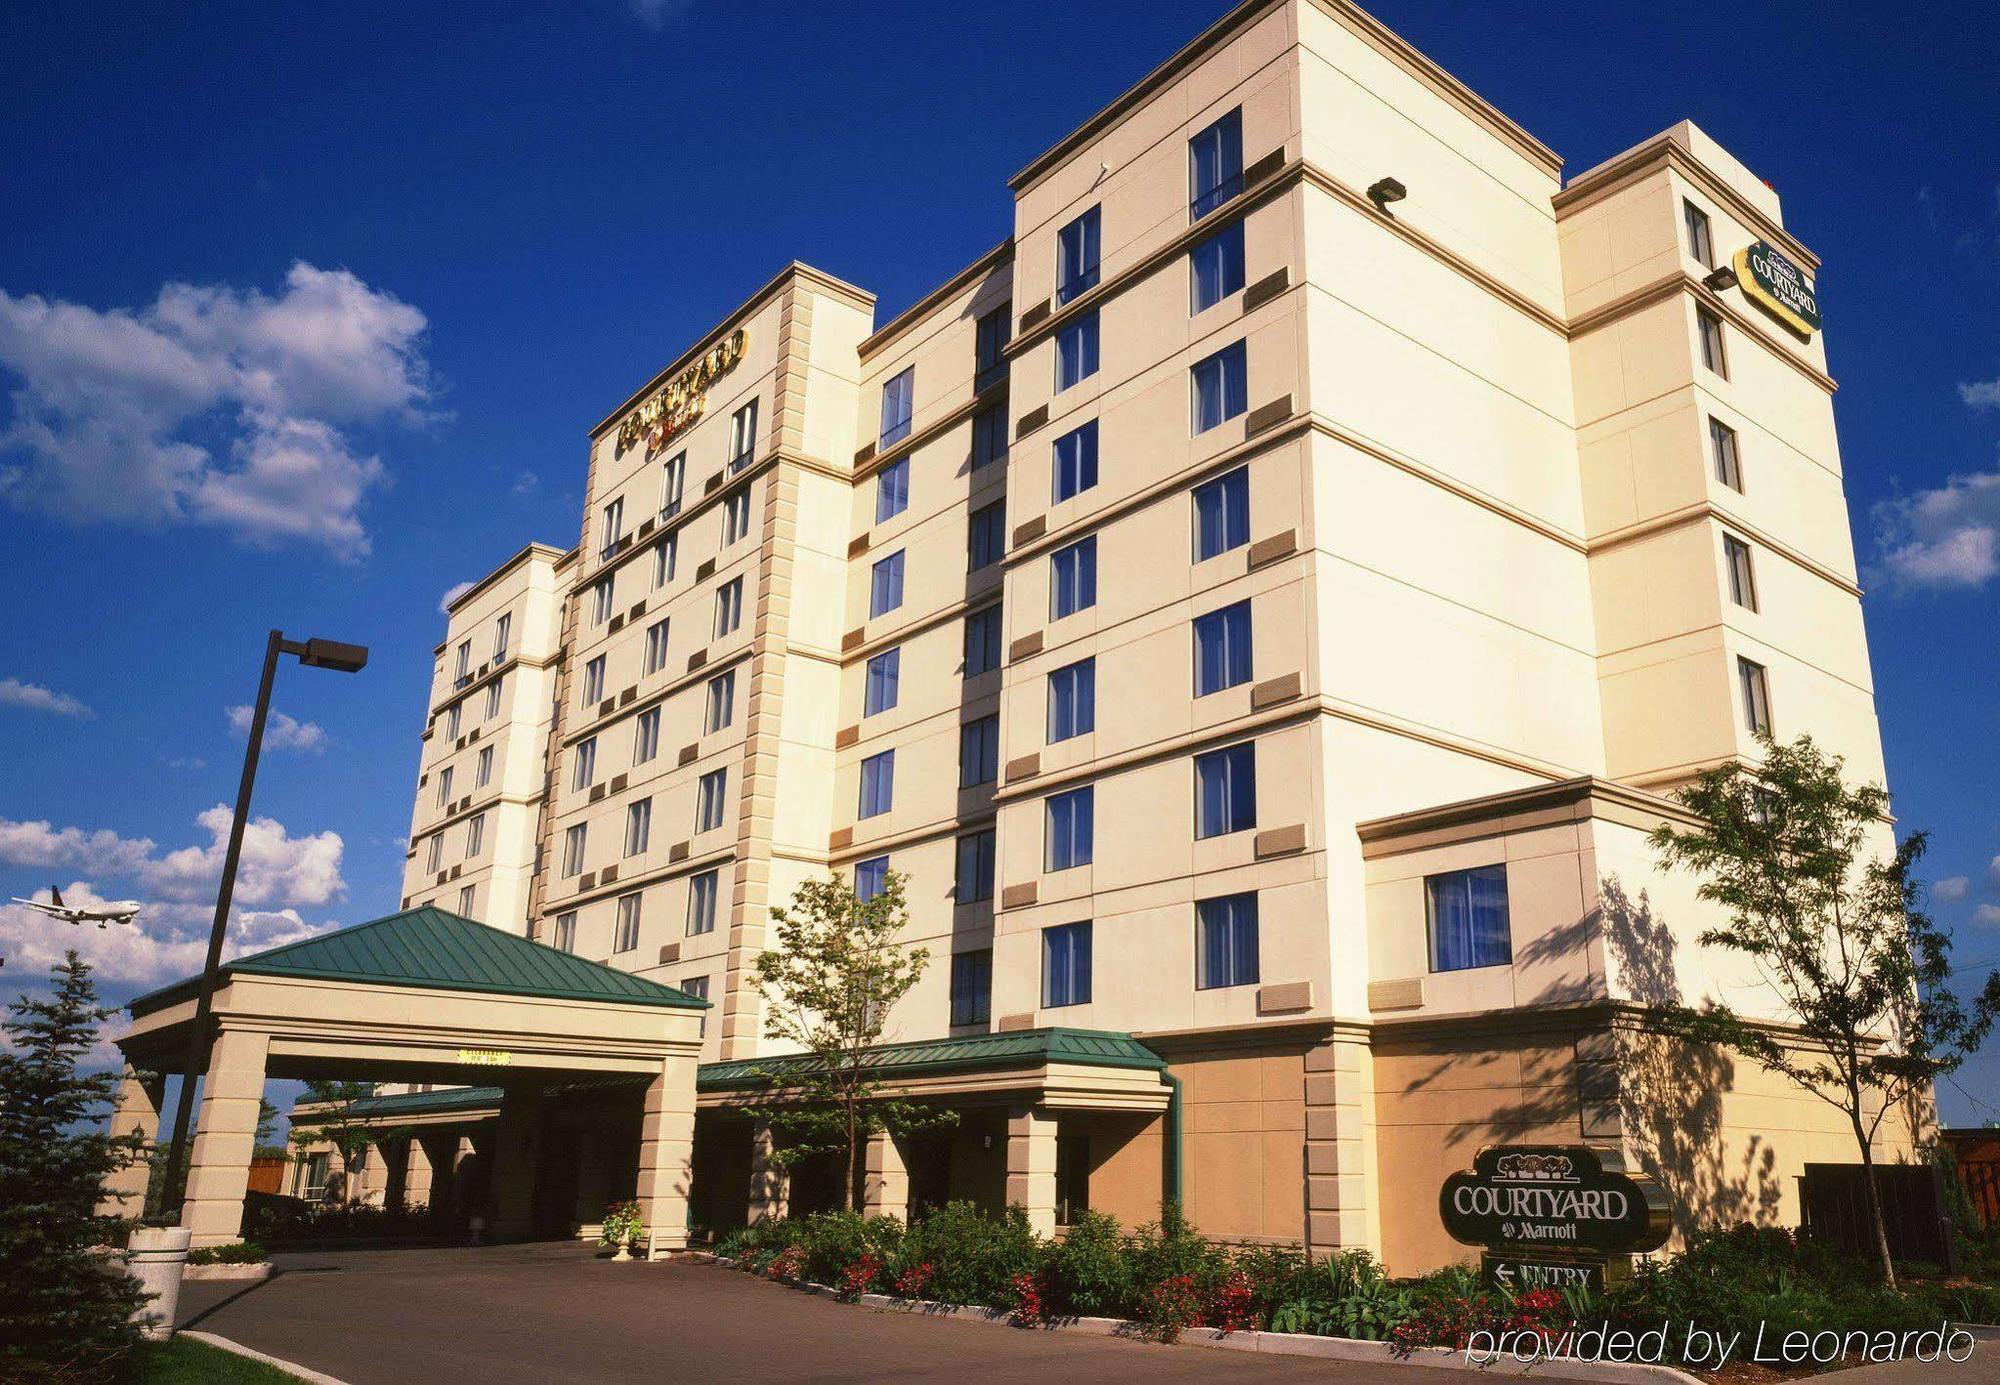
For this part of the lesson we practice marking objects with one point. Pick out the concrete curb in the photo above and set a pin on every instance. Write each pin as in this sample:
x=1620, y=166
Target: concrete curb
x=1271, y=1343
x=311, y=1377
x=260, y=1270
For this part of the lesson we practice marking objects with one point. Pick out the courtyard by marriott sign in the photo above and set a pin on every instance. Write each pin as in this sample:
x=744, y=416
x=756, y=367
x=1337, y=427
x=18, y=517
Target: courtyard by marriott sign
x=1777, y=286
x=1552, y=1198
x=675, y=406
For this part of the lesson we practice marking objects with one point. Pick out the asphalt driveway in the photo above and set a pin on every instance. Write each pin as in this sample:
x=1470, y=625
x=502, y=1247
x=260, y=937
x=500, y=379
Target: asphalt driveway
x=495, y=1315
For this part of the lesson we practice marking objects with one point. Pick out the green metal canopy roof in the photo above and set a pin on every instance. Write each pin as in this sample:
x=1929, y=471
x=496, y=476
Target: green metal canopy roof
x=1102, y=1048
x=430, y=948
x=414, y=1103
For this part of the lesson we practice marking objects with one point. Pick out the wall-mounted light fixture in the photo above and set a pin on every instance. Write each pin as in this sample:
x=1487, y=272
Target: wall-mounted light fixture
x=1383, y=191
x=1720, y=279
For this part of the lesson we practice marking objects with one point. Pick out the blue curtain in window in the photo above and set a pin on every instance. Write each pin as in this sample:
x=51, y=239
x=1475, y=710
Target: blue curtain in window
x=1228, y=941
x=1066, y=965
x=884, y=680
x=886, y=590
x=1217, y=266
x=1069, y=830
x=878, y=783
x=1215, y=164
x=1222, y=514
x=1077, y=248
x=1221, y=387
x=898, y=397
x=1469, y=922
x=892, y=490
x=1073, y=583
x=1073, y=700
x=870, y=876
x=1226, y=781
x=1076, y=352
x=1075, y=462
x=1222, y=649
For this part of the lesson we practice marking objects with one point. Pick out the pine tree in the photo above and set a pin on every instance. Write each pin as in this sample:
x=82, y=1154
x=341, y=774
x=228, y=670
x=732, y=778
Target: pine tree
x=65, y=1302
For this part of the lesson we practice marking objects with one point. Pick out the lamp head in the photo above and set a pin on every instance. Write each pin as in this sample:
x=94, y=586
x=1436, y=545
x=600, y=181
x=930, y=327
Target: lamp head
x=1383, y=191
x=341, y=658
x=1720, y=279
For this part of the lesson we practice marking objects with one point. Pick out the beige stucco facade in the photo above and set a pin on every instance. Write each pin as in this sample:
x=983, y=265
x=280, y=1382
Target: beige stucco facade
x=1487, y=564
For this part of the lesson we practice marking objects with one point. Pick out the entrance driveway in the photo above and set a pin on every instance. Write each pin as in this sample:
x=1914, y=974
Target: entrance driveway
x=502, y=1314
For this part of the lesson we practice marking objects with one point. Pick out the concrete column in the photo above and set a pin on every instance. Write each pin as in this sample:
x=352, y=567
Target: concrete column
x=1031, y=1165
x=1340, y=1147
x=770, y=1184
x=416, y=1174
x=136, y=1112
x=225, y=1137
x=441, y=1171
x=516, y=1144
x=666, y=1155
x=885, y=1179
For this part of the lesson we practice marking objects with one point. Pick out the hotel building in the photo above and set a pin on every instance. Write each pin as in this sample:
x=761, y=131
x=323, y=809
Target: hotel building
x=1260, y=606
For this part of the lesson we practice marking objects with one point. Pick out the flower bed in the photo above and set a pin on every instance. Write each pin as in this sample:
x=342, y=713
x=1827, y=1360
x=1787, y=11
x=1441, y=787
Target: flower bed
x=1167, y=1280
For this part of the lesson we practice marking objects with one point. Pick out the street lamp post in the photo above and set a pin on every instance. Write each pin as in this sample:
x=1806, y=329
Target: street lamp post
x=315, y=653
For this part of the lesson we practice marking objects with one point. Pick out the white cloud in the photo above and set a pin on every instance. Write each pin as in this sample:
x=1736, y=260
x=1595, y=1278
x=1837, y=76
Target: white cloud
x=654, y=14
x=457, y=590
x=35, y=697
x=1993, y=871
x=276, y=869
x=1987, y=915
x=1981, y=394
x=165, y=943
x=1951, y=889
x=280, y=731
x=1945, y=537
x=527, y=483
x=115, y=410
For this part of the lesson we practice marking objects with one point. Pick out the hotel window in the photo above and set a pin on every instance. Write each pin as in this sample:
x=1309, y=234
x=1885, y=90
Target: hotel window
x=573, y=839
x=899, y=399
x=870, y=877
x=1076, y=255
x=728, y=607
x=1742, y=581
x=646, y=736
x=973, y=880
x=878, y=785
x=990, y=346
x=1215, y=268
x=702, y=891
x=709, y=797
x=971, y=987
x=464, y=661
x=1068, y=835
x=743, y=436
x=1072, y=1178
x=1074, y=463
x=987, y=540
x=989, y=436
x=586, y=764
x=1699, y=245
x=1722, y=442
x=593, y=682
x=665, y=554
x=892, y=489
x=452, y=719
x=1076, y=352
x=721, y=702
x=656, y=647
x=614, y=527
x=483, y=772
x=638, y=826
x=444, y=786
x=501, y=629
x=1221, y=387
x=884, y=677
x=982, y=642
x=475, y=835
x=1468, y=919
x=1073, y=700
x=1756, y=686
x=1712, y=354
x=435, y=857
x=1226, y=952
x=979, y=751
x=465, y=897
x=493, y=698
x=1066, y=965
x=697, y=988
x=626, y=937
x=565, y=939
x=885, y=585
x=600, y=600
x=1222, y=514
x=735, y=517
x=1215, y=165
x=1073, y=578
x=1222, y=649
x=1225, y=791
x=672, y=477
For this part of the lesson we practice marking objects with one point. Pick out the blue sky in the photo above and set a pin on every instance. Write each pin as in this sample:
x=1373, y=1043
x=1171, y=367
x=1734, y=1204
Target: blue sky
x=304, y=311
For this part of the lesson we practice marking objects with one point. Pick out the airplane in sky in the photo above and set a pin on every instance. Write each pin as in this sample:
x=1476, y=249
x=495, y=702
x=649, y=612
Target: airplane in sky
x=112, y=911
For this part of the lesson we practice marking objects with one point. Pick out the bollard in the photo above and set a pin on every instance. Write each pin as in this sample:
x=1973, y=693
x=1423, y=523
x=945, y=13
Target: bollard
x=155, y=1257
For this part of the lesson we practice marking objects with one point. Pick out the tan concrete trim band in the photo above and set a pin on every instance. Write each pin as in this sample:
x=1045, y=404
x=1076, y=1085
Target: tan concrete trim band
x=534, y=550
x=673, y=870
x=930, y=433
x=1709, y=510
x=1649, y=295
x=1568, y=800
x=701, y=674
x=915, y=836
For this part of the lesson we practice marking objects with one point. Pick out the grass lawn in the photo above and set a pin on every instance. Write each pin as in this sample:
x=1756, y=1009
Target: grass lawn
x=184, y=1361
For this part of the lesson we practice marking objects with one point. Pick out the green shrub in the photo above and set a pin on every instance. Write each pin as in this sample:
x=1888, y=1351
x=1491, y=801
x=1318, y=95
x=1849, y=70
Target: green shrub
x=1090, y=1273
x=974, y=1258
x=1350, y=1296
x=235, y=1253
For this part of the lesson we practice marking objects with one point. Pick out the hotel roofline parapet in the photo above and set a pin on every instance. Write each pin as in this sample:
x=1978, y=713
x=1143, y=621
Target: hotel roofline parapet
x=1260, y=605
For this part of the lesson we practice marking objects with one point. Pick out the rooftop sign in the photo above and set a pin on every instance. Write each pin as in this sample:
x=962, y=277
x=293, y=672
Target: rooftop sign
x=675, y=406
